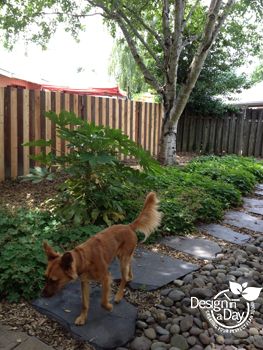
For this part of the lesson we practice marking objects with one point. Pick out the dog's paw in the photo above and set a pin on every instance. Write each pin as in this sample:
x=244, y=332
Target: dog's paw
x=80, y=321
x=108, y=306
x=117, y=299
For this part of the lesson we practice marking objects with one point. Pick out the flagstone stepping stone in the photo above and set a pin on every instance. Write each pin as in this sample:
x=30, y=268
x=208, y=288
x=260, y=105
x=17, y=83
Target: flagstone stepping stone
x=254, y=205
x=259, y=190
x=225, y=233
x=198, y=247
x=104, y=329
x=243, y=220
x=153, y=270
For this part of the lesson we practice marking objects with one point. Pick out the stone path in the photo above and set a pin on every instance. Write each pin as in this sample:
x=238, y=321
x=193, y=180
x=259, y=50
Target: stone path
x=198, y=247
x=153, y=270
x=10, y=340
x=106, y=330
x=225, y=233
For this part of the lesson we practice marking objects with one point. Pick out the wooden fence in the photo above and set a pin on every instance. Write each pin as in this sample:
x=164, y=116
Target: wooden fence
x=22, y=118
x=240, y=133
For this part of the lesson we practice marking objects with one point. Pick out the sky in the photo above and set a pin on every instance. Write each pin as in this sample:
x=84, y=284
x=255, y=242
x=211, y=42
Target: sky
x=59, y=63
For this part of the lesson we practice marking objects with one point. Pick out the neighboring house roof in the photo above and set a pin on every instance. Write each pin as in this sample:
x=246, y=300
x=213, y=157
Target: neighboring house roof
x=252, y=97
x=113, y=92
x=7, y=80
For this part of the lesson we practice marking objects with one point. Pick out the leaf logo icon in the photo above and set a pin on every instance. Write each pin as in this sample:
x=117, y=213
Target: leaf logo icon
x=248, y=293
x=235, y=288
x=251, y=293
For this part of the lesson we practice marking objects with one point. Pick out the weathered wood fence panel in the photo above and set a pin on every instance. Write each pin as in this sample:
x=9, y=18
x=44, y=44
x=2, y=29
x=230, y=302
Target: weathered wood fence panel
x=237, y=133
x=22, y=118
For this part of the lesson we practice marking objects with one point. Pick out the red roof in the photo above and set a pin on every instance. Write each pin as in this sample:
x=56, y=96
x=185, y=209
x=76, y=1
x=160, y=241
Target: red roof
x=17, y=82
x=115, y=91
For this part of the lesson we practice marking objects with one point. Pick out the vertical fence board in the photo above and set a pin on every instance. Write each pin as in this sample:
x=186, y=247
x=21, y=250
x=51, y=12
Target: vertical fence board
x=57, y=110
x=199, y=123
x=259, y=134
x=231, y=139
x=47, y=120
x=246, y=133
x=13, y=149
x=218, y=136
x=205, y=135
x=142, y=123
x=26, y=130
x=192, y=129
x=211, y=142
x=112, y=113
x=253, y=130
x=2, y=135
x=179, y=135
x=186, y=134
x=37, y=119
x=20, y=127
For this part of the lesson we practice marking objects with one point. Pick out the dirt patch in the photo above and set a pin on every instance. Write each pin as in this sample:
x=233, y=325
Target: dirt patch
x=17, y=194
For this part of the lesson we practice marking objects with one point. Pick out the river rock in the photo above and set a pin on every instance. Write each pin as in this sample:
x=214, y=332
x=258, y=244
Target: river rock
x=141, y=343
x=186, y=323
x=179, y=341
x=150, y=333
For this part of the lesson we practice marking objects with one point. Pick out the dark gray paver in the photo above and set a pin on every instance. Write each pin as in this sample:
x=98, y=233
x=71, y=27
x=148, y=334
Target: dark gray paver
x=225, y=233
x=243, y=220
x=198, y=247
x=10, y=339
x=33, y=343
x=254, y=205
x=153, y=270
x=104, y=329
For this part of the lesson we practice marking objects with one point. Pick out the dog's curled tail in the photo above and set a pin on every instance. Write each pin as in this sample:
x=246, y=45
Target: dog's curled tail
x=149, y=218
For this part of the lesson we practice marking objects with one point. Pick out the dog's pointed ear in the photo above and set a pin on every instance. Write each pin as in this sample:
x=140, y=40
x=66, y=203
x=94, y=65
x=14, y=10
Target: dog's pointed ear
x=50, y=252
x=68, y=265
x=66, y=261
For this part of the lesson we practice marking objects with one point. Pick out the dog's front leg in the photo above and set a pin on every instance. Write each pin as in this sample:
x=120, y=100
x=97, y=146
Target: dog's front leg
x=82, y=318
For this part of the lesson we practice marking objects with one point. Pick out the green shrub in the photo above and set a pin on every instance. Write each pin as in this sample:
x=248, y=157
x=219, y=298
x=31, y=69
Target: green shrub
x=22, y=258
x=97, y=179
x=243, y=175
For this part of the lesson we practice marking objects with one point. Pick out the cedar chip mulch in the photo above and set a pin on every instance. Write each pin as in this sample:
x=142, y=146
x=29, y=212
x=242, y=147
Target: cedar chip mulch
x=23, y=317
x=17, y=194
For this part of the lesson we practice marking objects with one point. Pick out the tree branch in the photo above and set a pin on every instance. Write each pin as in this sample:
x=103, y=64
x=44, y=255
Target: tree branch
x=139, y=36
x=72, y=15
x=149, y=78
x=146, y=26
x=192, y=10
x=177, y=42
x=212, y=27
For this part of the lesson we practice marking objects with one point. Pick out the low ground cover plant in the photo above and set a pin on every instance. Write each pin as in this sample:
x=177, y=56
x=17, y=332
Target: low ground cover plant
x=100, y=190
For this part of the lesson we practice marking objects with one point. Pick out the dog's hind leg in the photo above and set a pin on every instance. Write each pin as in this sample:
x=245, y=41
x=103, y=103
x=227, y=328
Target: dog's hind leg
x=106, y=289
x=126, y=276
x=82, y=318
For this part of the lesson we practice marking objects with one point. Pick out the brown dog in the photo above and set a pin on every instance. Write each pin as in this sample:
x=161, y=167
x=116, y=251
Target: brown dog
x=91, y=259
